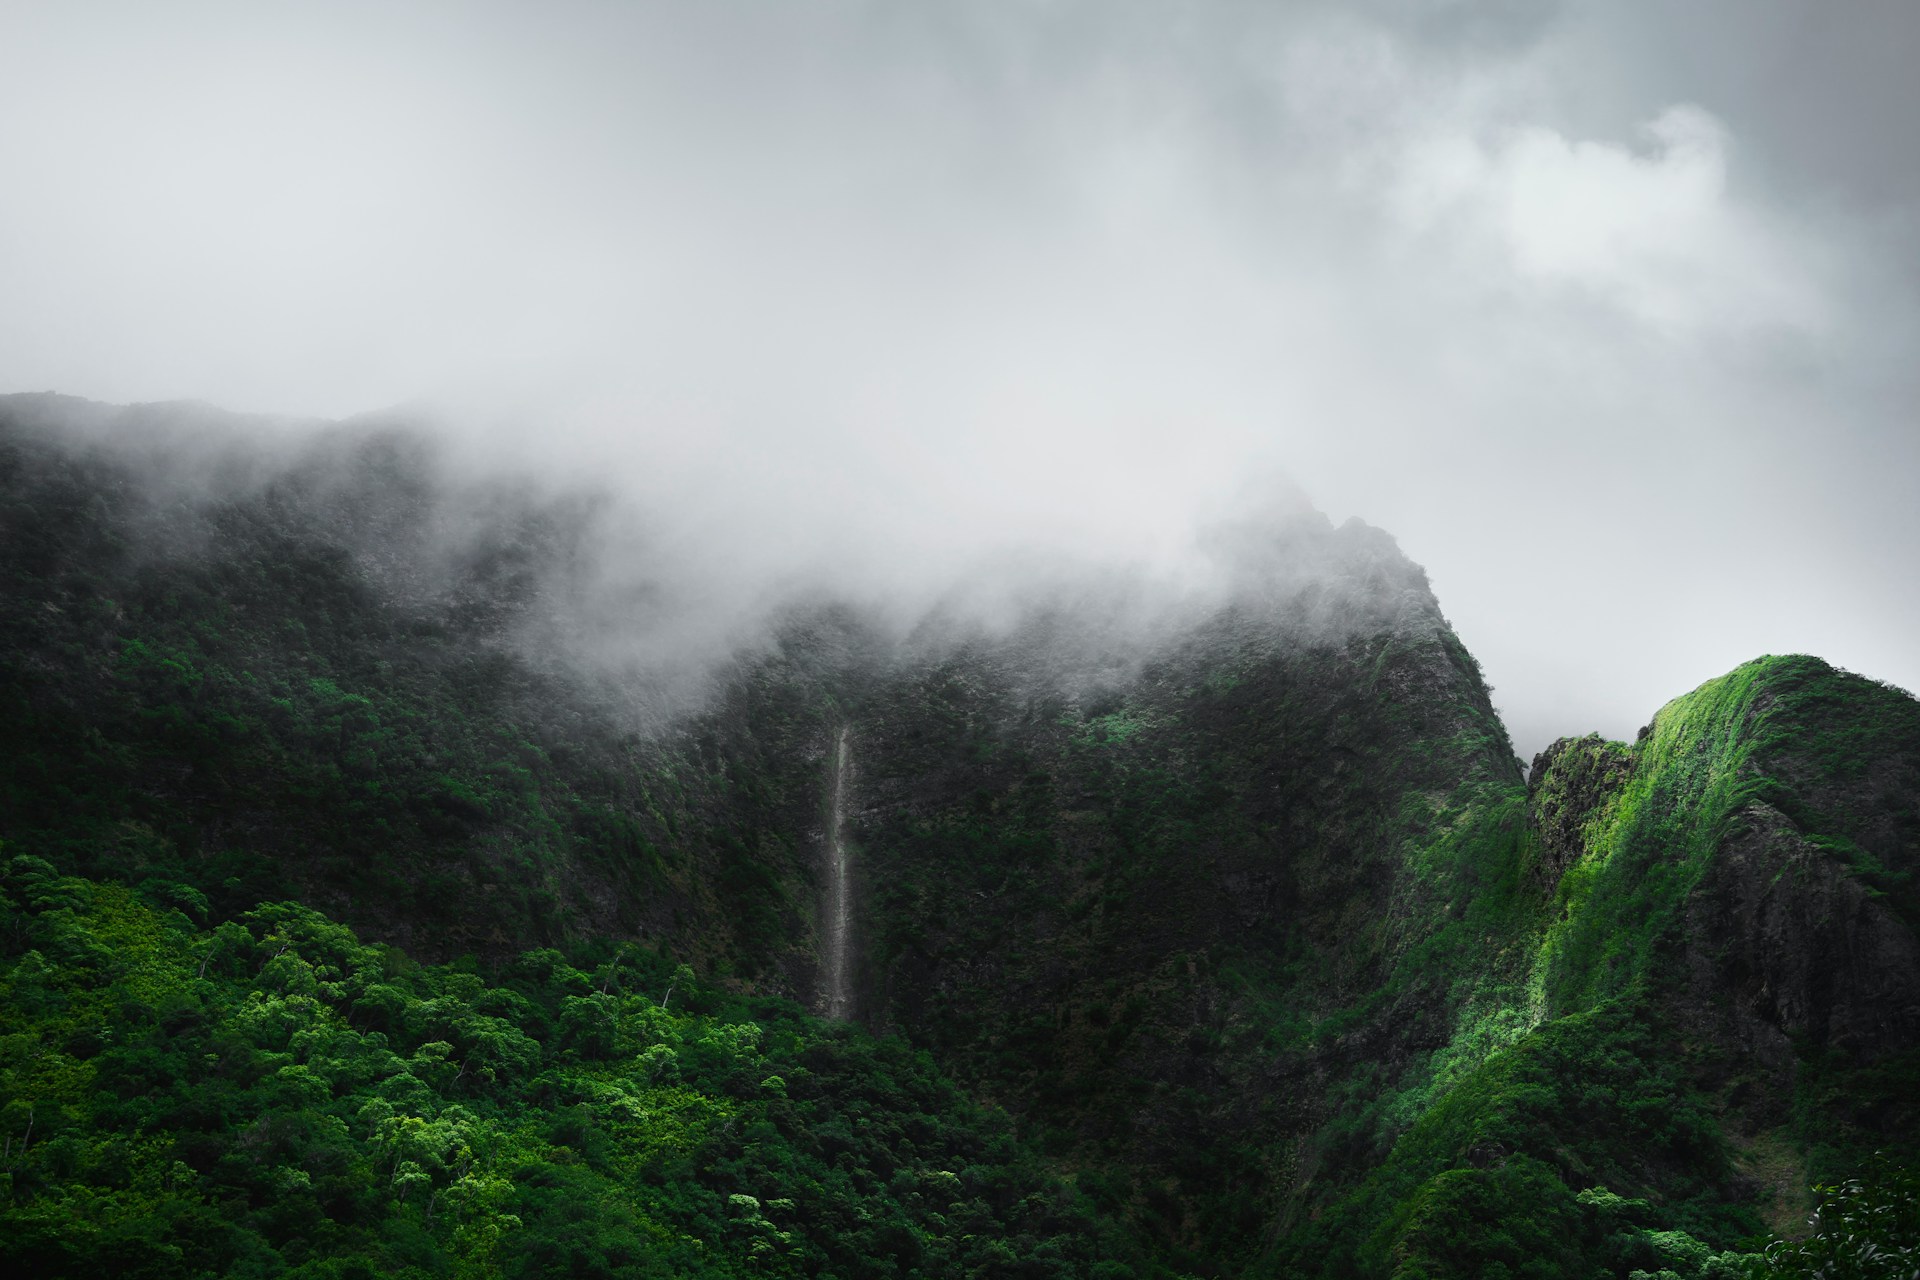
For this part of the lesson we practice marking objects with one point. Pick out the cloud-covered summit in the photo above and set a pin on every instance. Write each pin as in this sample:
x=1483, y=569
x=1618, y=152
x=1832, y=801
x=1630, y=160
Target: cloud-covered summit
x=1614, y=301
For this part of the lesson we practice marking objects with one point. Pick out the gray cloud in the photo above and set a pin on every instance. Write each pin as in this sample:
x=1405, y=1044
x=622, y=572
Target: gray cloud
x=1605, y=311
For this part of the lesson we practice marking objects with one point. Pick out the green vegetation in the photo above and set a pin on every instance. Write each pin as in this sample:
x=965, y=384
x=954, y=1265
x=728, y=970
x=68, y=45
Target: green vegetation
x=1867, y=1228
x=221, y=693
x=1254, y=957
x=1607, y=1139
x=269, y=1096
x=1791, y=733
x=1518, y=1169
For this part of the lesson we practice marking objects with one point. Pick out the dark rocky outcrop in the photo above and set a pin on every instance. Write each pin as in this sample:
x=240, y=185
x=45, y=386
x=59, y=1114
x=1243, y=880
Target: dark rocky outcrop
x=1792, y=948
x=1571, y=787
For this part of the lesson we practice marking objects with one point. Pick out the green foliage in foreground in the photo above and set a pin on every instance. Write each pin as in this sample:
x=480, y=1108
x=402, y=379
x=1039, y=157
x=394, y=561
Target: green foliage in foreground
x=271, y=1097
x=1868, y=1228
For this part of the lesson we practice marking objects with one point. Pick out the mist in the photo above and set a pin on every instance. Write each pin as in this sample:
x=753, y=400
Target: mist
x=1607, y=317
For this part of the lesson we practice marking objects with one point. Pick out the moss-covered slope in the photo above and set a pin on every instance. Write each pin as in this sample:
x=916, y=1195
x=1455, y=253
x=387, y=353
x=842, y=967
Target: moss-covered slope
x=1726, y=989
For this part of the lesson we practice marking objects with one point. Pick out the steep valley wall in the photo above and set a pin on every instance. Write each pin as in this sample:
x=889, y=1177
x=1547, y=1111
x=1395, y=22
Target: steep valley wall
x=1255, y=927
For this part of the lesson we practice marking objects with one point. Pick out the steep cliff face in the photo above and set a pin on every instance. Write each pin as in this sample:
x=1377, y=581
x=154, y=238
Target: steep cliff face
x=1169, y=890
x=313, y=672
x=1170, y=916
x=1785, y=945
x=1750, y=865
x=1242, y=909
x=1718, y=998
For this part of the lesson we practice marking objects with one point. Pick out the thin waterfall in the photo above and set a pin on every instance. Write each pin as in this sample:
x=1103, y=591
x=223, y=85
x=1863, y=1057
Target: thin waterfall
x=839, y=985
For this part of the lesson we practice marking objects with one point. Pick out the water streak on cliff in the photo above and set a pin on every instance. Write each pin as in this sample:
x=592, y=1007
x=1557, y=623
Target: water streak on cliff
x=839, y=986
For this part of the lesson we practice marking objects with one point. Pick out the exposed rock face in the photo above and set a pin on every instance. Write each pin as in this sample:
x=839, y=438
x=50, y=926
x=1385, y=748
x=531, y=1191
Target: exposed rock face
x=1788, y=946
x=1122, y=907
x=1570, y=788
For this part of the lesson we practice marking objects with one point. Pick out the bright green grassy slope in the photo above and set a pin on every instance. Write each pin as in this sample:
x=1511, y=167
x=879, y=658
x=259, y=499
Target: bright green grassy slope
x=1613, y=1136
x=1792, y=733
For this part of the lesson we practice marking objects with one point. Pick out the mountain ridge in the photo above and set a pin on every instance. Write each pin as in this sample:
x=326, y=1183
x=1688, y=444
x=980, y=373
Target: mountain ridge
x=1249, y=921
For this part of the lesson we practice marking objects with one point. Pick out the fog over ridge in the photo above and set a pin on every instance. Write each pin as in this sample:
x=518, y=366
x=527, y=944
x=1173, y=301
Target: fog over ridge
x=581, y=580
x=1607, y=315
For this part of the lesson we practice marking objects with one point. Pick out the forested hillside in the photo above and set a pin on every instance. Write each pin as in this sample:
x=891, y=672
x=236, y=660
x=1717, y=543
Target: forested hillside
x=359, y=923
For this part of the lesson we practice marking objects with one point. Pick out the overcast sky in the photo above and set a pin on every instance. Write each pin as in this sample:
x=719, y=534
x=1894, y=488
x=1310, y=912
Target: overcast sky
x=1606, y=311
